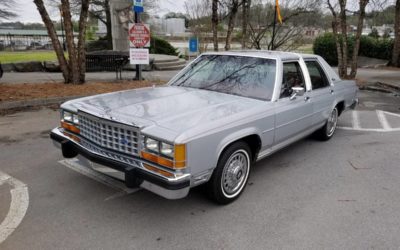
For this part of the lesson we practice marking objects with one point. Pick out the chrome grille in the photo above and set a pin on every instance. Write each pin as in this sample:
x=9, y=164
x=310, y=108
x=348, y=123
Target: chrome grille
x=99, y=150
x=109, y=134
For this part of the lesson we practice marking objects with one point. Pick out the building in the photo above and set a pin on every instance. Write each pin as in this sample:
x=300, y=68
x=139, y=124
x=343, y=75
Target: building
x=25, y=39
x=173, y=26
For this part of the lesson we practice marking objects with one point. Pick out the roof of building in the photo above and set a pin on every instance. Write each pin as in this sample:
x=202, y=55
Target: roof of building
x=17, y=32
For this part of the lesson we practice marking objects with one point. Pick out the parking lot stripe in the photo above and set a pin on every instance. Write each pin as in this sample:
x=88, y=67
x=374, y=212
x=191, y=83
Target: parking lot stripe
x=356, y=120
x=18, y=206
x=382, y=119
x=104, y=179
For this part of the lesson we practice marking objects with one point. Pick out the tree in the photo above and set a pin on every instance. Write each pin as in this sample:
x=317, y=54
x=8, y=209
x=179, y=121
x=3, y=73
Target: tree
x=214, y=22
x=233, y=7
x=341, y=38
x=361, y=17
x=289, y=34
x=245, y=15
x=73, y=68
x=199, y=13
x=374, y=33
x=6, y=11
x=100, y=9
x=396, y=47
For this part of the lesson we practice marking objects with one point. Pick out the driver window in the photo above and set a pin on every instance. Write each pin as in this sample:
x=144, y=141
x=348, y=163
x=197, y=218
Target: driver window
x=292, y=77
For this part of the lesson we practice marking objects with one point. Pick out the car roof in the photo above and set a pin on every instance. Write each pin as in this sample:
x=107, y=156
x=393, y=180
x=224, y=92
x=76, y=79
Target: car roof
x=264, y=53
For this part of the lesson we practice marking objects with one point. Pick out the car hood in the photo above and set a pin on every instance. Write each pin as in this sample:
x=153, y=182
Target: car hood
x=173, y=108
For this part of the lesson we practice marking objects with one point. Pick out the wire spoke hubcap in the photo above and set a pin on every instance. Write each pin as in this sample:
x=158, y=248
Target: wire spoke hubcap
x=235, y=173
x=332, y=122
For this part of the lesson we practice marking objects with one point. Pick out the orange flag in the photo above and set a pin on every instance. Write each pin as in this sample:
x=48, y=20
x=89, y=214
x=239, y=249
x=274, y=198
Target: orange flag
x=278, y=11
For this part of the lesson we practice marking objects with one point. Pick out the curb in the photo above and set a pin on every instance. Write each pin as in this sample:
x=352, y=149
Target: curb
x=389, y=85
x=35, y=102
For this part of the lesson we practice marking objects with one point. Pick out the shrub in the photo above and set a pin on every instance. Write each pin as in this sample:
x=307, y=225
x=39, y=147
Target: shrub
x=325, y=46
x=101, y=44
x=370, y=47
x=376, y=48
x=161, y=46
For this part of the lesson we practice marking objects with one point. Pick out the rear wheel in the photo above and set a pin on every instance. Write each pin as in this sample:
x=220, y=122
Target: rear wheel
x=326, y=132
x=231, y=174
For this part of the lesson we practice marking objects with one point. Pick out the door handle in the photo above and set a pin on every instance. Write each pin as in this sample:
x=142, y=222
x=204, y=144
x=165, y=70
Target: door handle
x=307, y=98
x=331, y=91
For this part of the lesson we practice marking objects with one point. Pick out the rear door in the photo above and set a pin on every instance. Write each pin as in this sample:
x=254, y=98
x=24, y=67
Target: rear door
x=322, y=93
x=292, y=115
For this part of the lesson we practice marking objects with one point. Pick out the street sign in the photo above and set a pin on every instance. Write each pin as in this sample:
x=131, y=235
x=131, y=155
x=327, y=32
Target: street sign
x=139, y=56
x=139, y=35
x=193, y=44
x=138, y=6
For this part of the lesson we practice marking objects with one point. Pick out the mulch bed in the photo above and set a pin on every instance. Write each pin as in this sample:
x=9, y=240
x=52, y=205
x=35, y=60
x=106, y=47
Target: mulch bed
x=19, y=92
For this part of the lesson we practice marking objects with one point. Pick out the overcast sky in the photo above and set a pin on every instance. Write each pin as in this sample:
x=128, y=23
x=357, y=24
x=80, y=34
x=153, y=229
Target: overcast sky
x=28, y=13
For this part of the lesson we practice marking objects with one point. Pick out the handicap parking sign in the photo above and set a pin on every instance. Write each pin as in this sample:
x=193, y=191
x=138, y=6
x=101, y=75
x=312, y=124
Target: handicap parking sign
x=193, y=44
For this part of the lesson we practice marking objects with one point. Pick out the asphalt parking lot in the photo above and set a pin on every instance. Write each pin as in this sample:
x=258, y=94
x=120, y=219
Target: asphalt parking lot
x=340, y=194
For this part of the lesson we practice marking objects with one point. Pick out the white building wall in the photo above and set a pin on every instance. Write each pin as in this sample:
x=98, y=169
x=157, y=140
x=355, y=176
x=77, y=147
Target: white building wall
x=174, y=26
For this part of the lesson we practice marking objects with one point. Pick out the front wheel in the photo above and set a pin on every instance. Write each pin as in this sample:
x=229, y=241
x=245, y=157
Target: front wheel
x=231, y=174
x=326, y=132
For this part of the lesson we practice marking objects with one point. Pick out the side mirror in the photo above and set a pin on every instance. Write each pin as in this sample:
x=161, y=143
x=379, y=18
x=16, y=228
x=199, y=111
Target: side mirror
x=297, y=91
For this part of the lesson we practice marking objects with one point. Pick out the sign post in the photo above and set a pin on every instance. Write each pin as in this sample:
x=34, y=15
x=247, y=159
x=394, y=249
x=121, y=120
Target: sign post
x=193, y=45
x=138, y=8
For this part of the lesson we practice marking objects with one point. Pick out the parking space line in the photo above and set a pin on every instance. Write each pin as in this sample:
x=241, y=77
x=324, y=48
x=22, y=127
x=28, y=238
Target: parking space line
x=18, y=206
x=356, y=119
x=382, y=119
x=99, y=177
x=390, y=113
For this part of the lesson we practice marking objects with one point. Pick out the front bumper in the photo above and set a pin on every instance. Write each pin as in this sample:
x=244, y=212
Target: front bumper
x=135, y=174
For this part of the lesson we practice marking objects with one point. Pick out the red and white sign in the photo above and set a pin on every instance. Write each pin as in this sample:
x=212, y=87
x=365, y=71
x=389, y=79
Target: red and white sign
x=139, y=35
x=139, y=56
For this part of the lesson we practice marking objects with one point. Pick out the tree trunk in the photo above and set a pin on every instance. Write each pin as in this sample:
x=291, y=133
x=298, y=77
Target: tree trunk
x=343, y=27
x=108, y=24
x=54, y=39
x=335, y=24
x=69, y=36
x=338, y=46
x=245, y=12
x=214, y=21
x=396, y=47
x=353, y=72
x=231, y=23
x=81, y=40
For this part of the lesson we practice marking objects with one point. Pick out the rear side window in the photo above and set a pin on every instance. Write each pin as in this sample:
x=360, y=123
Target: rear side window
x=317, y=75
x=292, y=77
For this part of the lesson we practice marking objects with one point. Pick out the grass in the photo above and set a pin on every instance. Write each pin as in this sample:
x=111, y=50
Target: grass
x=306, y=48
x=25, y=56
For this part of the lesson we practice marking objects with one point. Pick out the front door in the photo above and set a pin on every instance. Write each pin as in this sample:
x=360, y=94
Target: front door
x=293, y=115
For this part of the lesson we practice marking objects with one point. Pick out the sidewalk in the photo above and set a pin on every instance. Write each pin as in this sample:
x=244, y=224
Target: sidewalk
x=42, y=77
x=386, y=76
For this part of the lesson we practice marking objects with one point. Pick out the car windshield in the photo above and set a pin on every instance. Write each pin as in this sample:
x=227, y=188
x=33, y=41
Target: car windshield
x=237, y=75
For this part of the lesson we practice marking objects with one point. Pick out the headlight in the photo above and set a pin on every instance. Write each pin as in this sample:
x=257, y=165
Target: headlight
x=168, y=155
x=151, y=145
x=167, y=150
x=67, y=116
x=70, y=117
x=75, y=119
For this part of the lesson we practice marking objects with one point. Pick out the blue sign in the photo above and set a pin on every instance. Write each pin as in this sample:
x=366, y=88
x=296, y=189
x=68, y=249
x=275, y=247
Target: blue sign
x=193, y=44
x=138, y=6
